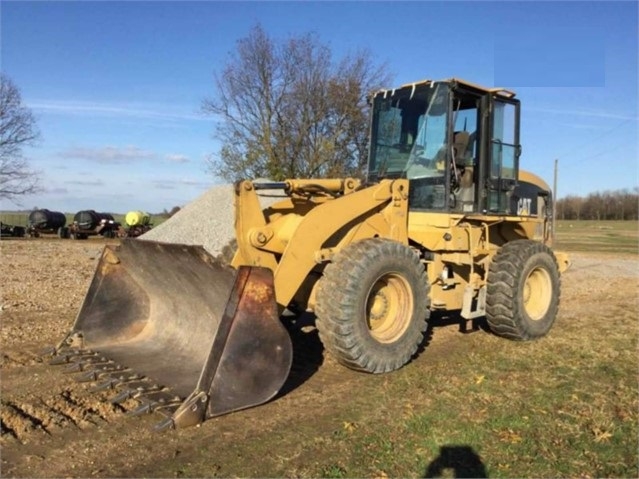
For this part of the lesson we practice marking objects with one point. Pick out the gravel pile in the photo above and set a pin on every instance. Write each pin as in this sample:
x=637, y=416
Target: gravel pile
x=207, y=220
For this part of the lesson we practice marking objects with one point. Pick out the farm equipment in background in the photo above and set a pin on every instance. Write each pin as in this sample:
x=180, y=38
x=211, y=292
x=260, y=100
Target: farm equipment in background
x=11, y=231
x=444, y=221
x=47, y=222
x=137, y=223
x=91, y=223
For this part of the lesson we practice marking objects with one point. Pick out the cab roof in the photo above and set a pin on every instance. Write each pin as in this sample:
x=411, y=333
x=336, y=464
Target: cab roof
x=474, y=86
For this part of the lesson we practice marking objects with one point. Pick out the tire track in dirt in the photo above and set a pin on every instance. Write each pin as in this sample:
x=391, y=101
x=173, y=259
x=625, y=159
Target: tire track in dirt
x=23, y=418
x=75, y=406
x=312, y=376
x=13, y=359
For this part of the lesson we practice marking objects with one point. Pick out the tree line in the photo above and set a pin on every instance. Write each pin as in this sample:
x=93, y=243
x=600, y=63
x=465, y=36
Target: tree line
x=608, y=205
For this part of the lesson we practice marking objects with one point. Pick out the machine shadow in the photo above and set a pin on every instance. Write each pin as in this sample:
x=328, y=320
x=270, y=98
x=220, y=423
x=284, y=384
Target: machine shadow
x=442, y=319
x=308, y=351
x=462, y=461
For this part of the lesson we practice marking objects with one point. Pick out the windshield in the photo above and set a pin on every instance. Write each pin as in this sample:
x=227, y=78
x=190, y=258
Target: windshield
x=409, y=133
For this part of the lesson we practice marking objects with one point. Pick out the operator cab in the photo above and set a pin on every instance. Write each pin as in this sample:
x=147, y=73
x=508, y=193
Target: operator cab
x=457, y=143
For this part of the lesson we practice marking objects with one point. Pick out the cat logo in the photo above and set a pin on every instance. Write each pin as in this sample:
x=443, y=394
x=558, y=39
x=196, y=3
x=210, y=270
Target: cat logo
x=523, y=206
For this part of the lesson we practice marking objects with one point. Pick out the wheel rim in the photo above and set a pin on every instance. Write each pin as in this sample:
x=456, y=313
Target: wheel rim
x=389, y=308
x=537, y=293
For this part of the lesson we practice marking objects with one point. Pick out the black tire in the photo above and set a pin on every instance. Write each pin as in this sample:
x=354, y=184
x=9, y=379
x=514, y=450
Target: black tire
x=372, y=305
x=523, y=291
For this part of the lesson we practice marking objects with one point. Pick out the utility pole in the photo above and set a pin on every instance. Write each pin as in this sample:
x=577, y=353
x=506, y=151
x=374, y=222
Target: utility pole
x=554, y=200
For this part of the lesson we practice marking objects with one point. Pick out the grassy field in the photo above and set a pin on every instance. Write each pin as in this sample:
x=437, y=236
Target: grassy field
x=565, y=406
x=598, y=236
x=544, y=409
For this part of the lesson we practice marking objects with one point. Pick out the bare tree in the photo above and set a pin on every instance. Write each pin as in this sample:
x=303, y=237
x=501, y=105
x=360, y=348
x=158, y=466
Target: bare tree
x=167, y=214
x=609, y=205
x=17, y=129
x=288, y=110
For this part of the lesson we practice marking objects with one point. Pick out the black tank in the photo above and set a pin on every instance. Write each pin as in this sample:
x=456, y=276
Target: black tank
x=90, y=219
x=45, y=219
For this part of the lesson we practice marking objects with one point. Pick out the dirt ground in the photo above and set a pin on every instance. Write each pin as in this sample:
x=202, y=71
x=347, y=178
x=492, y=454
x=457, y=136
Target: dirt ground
x=52, y=426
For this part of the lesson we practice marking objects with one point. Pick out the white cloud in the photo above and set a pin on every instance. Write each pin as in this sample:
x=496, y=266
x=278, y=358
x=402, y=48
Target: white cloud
x=147, y=111
x=584, y=113
x=177, y=158
x=579, y=126
x=85, y=182
x=173, y=184
x=198, y=183
x=56, y=191
x=108, y=154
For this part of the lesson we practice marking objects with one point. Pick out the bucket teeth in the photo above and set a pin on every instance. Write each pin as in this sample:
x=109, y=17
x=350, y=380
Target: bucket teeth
x=106, y=385
x=71, y=356
x=123, y=395
x=154, y=402
x=118, y=380
x=99, y=372
x=135, y=391
x=130, y=385
x=164, y=424
x=83, y=365
x=143, y=408
x=48, y=351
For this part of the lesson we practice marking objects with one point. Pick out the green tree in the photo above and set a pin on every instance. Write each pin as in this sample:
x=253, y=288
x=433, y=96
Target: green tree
x=288, y=110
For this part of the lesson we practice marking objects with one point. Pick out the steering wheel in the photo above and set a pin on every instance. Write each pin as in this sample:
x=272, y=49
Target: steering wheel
x=417, y=156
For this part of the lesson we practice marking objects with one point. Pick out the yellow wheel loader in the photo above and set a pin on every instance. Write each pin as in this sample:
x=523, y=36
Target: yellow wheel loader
x=445, y=220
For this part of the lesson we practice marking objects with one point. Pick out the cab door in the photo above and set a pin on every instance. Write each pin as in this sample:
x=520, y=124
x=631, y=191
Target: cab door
x=503, y=154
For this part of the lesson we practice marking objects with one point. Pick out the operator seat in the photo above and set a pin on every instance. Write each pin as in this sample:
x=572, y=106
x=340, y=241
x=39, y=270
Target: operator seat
x=463, y=154
x=461, y=140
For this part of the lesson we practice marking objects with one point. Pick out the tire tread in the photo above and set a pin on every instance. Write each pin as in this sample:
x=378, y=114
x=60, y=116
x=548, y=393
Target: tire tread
x=503, y=312
x=336, y=307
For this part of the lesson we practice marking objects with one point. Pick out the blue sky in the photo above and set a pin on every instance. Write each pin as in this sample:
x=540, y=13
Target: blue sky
x=117, y=86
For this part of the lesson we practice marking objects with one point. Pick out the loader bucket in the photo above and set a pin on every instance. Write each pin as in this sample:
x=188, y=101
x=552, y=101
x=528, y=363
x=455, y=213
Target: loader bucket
x=181, y=332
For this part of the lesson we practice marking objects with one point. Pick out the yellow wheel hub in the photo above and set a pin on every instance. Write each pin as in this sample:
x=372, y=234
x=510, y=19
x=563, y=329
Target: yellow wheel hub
x=537, y=294
x=389, y=308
